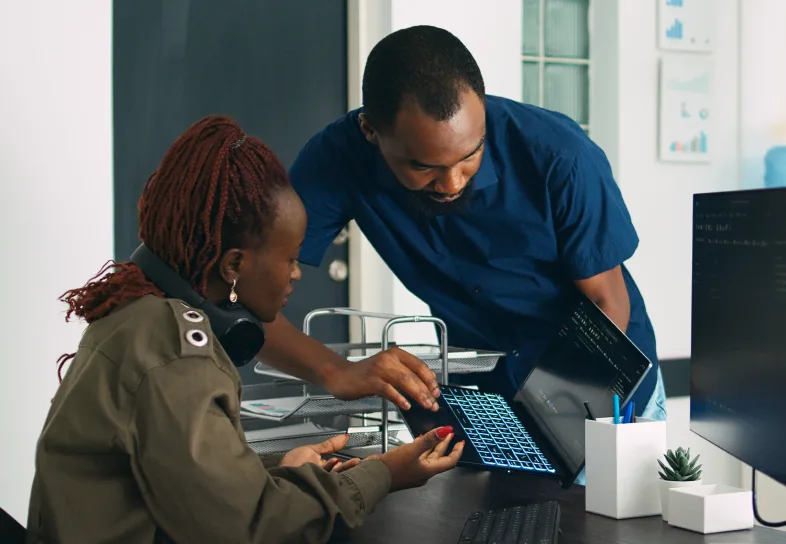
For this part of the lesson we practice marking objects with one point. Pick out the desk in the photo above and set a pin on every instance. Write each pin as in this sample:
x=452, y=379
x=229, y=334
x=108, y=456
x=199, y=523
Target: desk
x=435, y=514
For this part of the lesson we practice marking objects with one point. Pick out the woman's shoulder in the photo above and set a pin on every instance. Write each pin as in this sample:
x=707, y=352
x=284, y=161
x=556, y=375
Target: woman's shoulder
x=153, y=331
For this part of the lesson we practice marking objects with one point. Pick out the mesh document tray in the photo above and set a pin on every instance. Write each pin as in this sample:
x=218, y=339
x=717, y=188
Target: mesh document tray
x=362, y=437
x=281, y=409
x=460, y=360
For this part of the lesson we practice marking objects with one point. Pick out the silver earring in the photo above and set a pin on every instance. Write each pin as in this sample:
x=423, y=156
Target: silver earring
x=232, y=294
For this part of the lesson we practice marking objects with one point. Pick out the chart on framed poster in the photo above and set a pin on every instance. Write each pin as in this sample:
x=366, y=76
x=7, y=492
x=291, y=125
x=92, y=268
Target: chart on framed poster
x=685, y=116
x=687, y=25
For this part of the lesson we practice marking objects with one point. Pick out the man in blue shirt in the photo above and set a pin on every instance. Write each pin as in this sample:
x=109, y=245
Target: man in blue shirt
x=491, y=211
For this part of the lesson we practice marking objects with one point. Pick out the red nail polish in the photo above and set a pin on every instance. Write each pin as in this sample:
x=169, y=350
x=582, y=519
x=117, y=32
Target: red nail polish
x=442, y=432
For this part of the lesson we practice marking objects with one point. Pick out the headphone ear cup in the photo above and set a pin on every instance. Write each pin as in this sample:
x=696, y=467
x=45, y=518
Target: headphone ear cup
x=242, y=341
x=239, y=332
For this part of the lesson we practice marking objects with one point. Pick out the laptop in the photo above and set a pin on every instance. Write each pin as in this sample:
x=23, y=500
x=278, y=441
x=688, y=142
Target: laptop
x=541, y=430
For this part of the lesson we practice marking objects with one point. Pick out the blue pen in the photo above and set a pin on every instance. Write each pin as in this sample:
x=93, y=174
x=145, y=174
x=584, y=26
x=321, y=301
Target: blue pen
x=628, y=413
x=616, y=409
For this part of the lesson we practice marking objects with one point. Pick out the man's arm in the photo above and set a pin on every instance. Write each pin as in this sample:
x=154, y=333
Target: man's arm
x=609, y=292
x=292, y=351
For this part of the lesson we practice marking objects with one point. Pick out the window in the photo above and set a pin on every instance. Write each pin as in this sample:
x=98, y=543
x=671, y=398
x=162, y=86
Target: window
x=555, y=57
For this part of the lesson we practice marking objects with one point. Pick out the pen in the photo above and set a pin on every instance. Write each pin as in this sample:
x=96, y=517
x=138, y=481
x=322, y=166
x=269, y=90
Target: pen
x=589, y=412
x=633, y=412
x=628, y=413
x=616, y=409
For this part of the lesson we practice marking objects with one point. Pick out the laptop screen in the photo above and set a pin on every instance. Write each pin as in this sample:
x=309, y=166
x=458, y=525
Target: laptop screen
x=589, y=361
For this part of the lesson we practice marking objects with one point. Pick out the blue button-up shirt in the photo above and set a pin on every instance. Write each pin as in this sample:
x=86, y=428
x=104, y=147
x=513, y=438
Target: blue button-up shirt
x=544, y=211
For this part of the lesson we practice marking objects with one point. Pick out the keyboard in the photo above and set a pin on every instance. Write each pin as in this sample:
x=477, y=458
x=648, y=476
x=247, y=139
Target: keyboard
x=494, y=430
x=530, y=524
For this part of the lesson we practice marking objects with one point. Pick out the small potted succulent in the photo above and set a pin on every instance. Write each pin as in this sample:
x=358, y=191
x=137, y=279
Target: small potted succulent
x=682, y=471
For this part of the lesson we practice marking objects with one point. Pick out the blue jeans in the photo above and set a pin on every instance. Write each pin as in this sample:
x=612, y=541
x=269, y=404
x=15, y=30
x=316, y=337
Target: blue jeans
x=655, y=409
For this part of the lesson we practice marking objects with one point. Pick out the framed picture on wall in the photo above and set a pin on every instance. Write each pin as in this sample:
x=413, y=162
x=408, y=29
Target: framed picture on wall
x=686, y=25
x=686, y=109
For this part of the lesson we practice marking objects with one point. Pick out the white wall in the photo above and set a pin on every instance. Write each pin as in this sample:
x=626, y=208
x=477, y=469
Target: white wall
x=56, y=205
x=763, y=84
x=624, y=90
x=494, y=39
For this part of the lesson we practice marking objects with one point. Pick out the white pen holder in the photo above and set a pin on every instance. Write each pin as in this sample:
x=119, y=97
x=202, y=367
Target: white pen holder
x=622, y=467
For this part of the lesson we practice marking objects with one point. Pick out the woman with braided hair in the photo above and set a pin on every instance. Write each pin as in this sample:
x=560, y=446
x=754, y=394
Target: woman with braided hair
x=143, y=441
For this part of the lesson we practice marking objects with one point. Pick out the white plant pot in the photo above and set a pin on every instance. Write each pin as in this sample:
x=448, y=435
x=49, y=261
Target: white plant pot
x=665, y=485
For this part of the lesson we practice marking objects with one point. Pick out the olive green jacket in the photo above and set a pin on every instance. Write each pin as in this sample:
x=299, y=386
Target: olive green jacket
x=143, y=438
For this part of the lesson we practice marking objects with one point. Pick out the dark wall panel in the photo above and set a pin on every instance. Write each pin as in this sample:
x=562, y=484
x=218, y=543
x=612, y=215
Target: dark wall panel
x=277, y=67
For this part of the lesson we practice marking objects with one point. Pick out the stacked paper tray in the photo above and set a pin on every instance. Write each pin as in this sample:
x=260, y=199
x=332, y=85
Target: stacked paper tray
x=460, y=361
x=359, y=437
x=281, y=409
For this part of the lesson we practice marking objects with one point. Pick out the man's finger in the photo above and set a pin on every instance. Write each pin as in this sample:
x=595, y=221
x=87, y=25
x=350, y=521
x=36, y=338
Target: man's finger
x=403, y=378
x=332, y=444
x=420, y=368
x=390, y=393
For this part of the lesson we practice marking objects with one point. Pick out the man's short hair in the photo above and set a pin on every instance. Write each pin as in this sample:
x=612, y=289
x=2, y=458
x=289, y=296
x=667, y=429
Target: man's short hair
x=424, y=63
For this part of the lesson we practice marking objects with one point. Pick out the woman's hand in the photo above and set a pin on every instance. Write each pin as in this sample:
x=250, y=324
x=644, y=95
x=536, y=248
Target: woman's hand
x=313, y=454
x=411, y=465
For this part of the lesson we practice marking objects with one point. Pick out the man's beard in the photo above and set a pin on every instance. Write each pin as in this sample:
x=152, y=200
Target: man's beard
x=427, y=206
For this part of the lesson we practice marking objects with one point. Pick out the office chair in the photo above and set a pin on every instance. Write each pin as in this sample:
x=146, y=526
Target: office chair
x=11, y=532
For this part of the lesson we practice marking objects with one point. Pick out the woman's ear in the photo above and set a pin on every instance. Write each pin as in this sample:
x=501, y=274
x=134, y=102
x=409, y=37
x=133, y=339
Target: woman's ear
x=231, y=265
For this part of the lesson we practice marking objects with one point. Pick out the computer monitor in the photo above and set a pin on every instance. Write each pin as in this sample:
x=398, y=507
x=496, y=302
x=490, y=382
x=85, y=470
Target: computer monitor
x=738, y=329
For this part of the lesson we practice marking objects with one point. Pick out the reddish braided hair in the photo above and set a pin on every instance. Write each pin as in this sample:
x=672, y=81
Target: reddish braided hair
x=215, y=188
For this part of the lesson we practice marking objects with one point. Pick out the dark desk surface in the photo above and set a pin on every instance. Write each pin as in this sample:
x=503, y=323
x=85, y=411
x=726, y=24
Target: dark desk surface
x=435, y=514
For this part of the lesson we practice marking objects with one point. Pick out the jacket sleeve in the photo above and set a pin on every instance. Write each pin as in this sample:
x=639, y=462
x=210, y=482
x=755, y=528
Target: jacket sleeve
x=202, y=483
x=270, y=461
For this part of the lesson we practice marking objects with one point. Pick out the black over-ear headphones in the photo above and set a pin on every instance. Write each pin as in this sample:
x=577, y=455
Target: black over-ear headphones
x=237, y=329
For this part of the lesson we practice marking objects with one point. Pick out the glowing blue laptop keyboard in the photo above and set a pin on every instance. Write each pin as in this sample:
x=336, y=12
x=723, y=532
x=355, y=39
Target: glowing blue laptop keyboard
x=494, y=430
